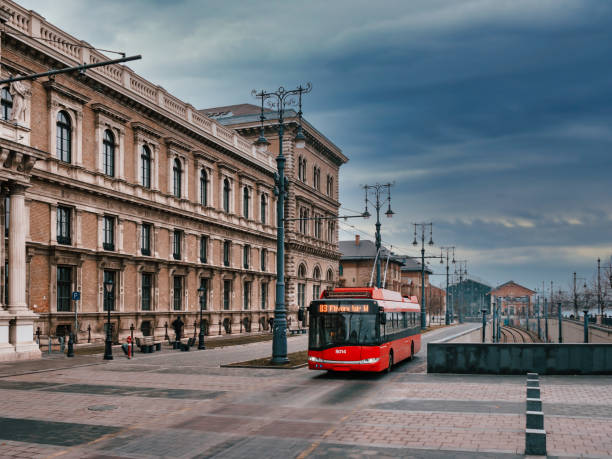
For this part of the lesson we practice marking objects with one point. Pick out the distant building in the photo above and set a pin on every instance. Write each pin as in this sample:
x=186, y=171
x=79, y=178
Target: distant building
x=468, y=297
x=357, y=262
x=515, y=298
x=411, y=277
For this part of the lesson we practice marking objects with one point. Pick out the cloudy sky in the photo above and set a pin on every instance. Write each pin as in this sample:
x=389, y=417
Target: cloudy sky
x=492, y=117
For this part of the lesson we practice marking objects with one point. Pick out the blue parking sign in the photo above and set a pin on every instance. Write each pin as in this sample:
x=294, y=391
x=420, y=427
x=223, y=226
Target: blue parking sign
x=76, y=296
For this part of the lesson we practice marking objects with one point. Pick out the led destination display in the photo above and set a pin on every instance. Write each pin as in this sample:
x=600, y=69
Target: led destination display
x=335, y=308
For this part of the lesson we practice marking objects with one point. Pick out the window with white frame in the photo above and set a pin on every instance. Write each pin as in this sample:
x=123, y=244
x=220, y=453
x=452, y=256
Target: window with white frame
x=64, y=137
x=246, y=200
x=263, y=208
x=64, y=225
x=145, y=239
x=145, y=167
x=203, y=187
x=108, y=152
x=177, y=178
x=226, y=195
x=6, y=103
x=108, y=228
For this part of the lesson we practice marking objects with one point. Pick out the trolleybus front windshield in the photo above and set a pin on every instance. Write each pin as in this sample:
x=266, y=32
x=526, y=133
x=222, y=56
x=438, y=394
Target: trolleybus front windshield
x=331, y=324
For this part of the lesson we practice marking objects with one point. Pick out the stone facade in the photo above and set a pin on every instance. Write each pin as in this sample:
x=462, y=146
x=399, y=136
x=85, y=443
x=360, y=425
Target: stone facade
x=107, y=177
x=311, y=244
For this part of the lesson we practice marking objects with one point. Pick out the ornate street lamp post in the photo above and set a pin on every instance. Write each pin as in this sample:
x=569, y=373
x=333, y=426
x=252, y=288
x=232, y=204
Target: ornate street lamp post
x=448, y=317
x=202, y=293
x=108, y=345
x=281, y=99
x=423, y=227
x=377, y=190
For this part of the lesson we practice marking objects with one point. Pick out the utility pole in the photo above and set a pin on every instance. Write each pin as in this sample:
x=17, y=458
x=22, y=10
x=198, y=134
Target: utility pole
x=462, y=272
x=575, y=299
x=599, y=302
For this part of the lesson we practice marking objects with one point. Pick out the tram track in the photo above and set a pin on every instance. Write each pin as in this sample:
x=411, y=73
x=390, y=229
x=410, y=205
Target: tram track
x=516, y=335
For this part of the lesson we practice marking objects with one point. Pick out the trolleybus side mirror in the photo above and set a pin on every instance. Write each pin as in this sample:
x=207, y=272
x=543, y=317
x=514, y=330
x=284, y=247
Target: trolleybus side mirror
x=301, y=314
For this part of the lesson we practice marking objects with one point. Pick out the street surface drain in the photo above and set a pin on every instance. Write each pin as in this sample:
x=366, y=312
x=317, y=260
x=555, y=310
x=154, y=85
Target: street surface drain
x=102, y=408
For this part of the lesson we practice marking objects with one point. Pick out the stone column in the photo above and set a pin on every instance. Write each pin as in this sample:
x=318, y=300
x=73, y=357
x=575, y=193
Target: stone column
x=21, y=330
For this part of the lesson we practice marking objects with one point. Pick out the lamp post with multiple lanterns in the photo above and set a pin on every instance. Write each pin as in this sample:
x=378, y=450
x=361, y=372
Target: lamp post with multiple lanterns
x=376, y=191
x=108, y=344
x=281, y=99
x=202, y=293
x=423, y=227
x=448, y=317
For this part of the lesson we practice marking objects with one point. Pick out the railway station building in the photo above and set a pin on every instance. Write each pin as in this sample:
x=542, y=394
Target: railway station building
x=108, y=179
x=516, y=299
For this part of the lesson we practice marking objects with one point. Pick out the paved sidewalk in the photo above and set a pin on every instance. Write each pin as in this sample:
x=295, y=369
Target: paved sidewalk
x=183, y=405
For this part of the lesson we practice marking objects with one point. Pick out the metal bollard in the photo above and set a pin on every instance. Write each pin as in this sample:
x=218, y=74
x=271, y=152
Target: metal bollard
x=49, y=352
x=61, y=343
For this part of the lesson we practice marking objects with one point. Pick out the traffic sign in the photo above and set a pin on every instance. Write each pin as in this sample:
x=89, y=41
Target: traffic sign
x=76, y=296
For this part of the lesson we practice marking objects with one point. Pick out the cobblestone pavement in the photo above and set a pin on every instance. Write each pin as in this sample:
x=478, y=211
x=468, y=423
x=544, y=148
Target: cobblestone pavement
x=184, y=405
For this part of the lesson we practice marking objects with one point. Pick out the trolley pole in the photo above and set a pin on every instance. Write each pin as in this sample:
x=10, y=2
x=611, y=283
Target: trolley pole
x=484, y=324
x=586, y=325
x=499, y=310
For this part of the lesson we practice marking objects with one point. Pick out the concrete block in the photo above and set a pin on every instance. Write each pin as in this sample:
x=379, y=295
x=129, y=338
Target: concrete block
x=535, y=420
x=532, y=376
x=533, y=383
x=534, y=404
x=533, y=392
x=535, y=442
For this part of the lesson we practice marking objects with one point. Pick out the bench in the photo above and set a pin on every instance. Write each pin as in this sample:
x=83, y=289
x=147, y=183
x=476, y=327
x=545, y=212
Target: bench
x=297, y=331
x=147, y=344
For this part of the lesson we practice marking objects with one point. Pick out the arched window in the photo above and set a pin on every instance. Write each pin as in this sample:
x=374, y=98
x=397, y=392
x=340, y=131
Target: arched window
x=108, y=158
x=226, y=195
x=245, y=202
x=203, y=187
x=64, y=137
x=177, y=174
x=330, y=275
x=301, y=290
x=263, y=208
x=7, y=104
x=145, y=166
x=316, y=287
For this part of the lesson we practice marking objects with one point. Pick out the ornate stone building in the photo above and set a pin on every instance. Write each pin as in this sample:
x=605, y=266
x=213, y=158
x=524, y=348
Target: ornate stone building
x=311, y=232
x=109, y=178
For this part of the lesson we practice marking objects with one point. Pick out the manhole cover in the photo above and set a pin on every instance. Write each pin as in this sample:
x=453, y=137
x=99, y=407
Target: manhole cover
x=102, y=408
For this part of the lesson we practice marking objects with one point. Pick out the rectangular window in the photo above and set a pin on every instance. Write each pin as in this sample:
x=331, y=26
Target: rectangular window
x=109, y=233
x=301, y=295
x=203, y=293
x=64, y=288
x=264, y=295
x=109, y=297
x=177, y=298
x=176, y=244
x=227, y=292
x=318, y=225
x=226, y=253
x=246, y=293
x=264, y=256
x=145, y=239
x=245, y=256
x=146, y=291
x=63, y=225
x=203, y=249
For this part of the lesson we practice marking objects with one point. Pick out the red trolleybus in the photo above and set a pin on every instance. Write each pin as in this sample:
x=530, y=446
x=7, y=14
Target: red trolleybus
x=362, y=329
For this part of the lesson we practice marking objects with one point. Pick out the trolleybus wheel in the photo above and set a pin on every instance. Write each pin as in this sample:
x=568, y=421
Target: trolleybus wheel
x=411, y=351
x=390, y=361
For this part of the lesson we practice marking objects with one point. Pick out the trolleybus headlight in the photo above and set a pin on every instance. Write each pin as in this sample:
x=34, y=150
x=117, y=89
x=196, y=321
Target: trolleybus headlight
x=372, y=360
x=315, y=359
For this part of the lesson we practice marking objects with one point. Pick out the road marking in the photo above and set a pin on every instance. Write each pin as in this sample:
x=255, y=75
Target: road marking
x=326, y=434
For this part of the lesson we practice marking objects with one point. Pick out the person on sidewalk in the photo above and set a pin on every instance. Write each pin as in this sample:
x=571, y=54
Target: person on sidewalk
x=177, y=325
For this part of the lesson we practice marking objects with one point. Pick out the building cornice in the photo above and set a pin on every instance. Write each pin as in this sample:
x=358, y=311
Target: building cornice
x=111, y=113
x=71, y=94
